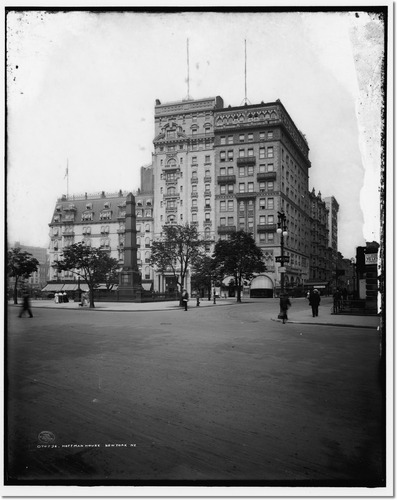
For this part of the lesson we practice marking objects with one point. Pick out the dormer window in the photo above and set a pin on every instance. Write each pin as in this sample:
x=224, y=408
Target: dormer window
x=139, y=203
x=149, y=203
x=106, y=215
x=58, y=208
x=88, y=206
x=107, y=204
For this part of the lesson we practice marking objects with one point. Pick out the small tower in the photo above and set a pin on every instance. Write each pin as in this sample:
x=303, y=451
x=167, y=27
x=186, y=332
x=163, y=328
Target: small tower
x=130, y=278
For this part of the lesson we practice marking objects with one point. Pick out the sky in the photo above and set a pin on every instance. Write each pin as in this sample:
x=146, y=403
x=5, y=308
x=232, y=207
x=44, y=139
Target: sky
x=81, y=90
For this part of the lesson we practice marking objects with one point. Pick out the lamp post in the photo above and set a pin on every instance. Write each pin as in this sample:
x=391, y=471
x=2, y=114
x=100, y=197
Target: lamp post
x=282, y=231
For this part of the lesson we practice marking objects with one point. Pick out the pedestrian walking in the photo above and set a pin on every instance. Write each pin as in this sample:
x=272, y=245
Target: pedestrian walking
x=337, y=296
x=185, y=298
x=285, y=304
x=26, y=306
x=56, y=298
x=314, y=301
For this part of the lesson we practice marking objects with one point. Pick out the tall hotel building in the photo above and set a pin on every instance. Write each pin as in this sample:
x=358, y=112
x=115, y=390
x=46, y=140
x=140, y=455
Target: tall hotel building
x=184, y=169
x=226, y=169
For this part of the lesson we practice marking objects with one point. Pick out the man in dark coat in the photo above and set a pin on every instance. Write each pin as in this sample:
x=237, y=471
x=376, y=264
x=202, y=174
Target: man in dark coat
x=285, y=304
x=314, y=301
x=26, y=306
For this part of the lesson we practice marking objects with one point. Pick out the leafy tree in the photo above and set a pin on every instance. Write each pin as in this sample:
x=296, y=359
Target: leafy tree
x=92, y=264
x=20, y=265
x=239, y=257
x=178, y=249
x=203, y=273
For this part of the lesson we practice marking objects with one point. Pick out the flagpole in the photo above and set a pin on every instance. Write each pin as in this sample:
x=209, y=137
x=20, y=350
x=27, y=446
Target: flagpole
x=67, y=178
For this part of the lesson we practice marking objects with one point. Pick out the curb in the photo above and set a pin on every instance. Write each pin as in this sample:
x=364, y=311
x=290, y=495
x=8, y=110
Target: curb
x=342, y=325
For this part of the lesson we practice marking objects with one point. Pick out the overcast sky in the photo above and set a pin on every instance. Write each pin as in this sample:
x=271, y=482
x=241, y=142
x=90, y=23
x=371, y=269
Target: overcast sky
x=82, y=88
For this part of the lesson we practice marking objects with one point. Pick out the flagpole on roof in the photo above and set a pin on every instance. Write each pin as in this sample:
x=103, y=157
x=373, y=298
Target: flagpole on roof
x=67, y=178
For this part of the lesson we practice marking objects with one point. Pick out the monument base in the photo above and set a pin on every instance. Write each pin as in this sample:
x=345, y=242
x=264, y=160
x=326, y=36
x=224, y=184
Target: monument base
x=130, y=286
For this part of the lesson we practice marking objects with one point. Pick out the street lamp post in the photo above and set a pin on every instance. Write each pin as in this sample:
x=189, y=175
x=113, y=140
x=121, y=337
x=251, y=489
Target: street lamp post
x=282, y=231
x=282, y=259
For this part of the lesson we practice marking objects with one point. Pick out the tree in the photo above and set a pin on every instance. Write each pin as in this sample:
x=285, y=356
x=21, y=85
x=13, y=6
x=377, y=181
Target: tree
x=20, y=264
x=239, y=257
x=93, y=265
x=202, y=275
x=178, y=248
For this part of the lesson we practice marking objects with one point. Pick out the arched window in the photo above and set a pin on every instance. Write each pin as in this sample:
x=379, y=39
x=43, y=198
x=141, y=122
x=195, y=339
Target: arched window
x=171, y=190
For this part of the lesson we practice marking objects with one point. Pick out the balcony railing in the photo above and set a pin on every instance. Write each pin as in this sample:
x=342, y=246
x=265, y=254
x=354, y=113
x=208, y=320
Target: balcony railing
x=226, y=179
x=171, y=209
x=194, y=180
x=207, y=178
x=246, y=160
x=252, y=194
x=265, y=228
x=266, y=176
x=226, y=229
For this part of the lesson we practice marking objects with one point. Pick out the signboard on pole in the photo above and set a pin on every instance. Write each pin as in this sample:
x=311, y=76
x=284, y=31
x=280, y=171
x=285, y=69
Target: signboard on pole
x=284, y=258
x=370, y=259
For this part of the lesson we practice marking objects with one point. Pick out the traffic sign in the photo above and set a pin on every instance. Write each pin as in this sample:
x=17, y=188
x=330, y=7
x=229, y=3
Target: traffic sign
x=284, y=258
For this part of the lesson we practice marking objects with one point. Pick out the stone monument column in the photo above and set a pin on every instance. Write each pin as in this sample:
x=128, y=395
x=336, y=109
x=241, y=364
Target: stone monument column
x=130, y=279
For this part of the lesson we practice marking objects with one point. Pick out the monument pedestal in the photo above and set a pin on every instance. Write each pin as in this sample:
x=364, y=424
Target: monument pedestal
x=130, y=286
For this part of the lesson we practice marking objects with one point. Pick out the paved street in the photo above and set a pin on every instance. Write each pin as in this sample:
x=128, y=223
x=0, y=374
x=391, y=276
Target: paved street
x=220, y=393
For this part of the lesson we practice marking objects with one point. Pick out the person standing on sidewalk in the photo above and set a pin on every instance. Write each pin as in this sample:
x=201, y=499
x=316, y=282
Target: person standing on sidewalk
x=285, y=304
x=26, y=306
x=314, y=301
x=185, y=298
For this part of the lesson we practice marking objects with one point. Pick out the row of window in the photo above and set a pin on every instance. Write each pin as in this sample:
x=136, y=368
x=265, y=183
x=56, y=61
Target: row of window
x=248, y=170
x=244, y=153
x=263, y=186
x=195, y=146
x=249, y=137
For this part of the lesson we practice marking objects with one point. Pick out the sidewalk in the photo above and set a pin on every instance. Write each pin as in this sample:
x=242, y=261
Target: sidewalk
x=295, y=314
x=326, y=317
x=127, y=306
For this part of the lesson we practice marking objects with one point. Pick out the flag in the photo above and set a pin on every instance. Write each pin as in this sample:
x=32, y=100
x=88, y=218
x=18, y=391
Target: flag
x=67, y=172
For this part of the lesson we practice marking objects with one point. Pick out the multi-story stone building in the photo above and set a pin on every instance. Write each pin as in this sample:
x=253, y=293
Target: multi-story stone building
x=320, y=252
x=333, y=209
x=183, y=169
x=262, y=168
x=226, y=169
x=95, y=219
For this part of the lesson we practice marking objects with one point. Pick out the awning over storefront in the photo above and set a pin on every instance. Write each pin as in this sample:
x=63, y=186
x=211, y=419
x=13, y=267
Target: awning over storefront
x=69, y=288
x=53, y=287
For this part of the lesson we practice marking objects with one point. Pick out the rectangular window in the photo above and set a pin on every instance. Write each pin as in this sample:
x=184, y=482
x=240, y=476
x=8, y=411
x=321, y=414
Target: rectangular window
x=250, y=152
x=270, y=186
x=207, y=159
x=194, y=174
x=262, y=153
x=270, y=134
x=223, y=140
x=230, y=205
x=194, y=202
x=241, y=171
x=250, y=187
x=270, y=153
x=223, y=155
x=207, y=217
x=194, y=217
x=262, y=186
x=262, y=136
x=194, y=188
x=270, y=237
x=262, y=219
x=241, y=187
x=222, y=206
x=262, y=237
x=242, y=137
x=262, y=168
x=251, y=137
x=270, y=167
x=223, y=221
x=207, y=202
x=230, y=170
x=250, y=170
x=223, y=188
x=230, y=155
x=194, y=159
x=241, y=153
x=230, y=139
x=262, y=204
x=270, y=203
x=230, y=221
x=230, y=188
x=222, y=171
x=270, y=219
x=242, y=222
